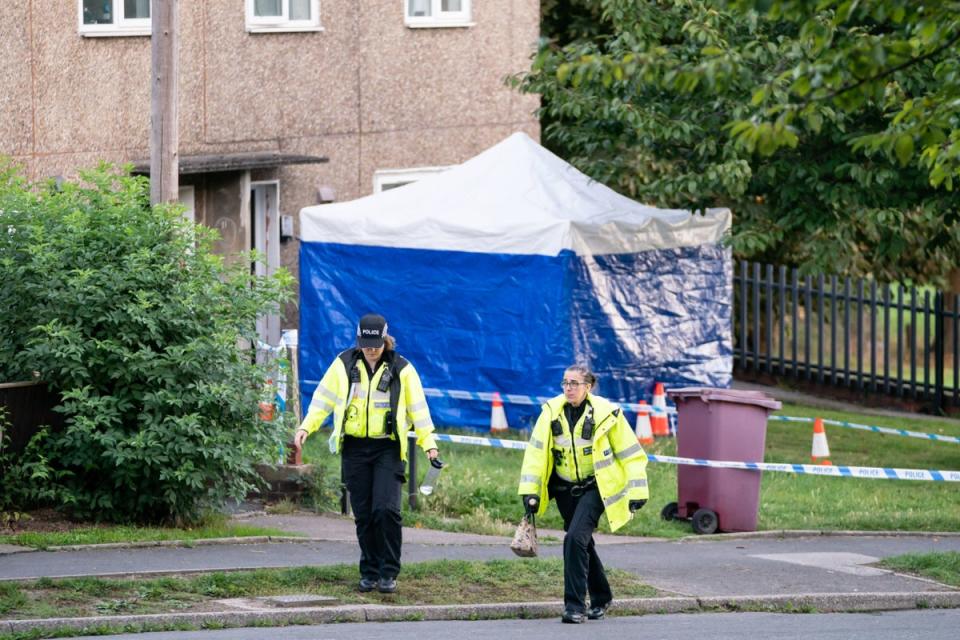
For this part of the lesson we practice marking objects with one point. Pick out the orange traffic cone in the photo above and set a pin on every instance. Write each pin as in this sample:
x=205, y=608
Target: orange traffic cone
x=498, y=417
x=658, y=421
x=643, y=430
x=819, y=452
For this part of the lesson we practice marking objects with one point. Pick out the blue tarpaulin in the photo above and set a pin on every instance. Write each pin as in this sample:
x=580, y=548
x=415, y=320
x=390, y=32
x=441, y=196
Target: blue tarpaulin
x=499, y=273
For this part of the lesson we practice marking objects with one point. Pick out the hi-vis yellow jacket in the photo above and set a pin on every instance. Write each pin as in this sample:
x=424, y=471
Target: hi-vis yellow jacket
x=360, y=409
x=619, y=462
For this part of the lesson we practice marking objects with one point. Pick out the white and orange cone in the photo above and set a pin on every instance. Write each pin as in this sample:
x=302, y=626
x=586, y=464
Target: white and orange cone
x=658, y=420
x=820, y=451
x=498, y=417
x=643, y=430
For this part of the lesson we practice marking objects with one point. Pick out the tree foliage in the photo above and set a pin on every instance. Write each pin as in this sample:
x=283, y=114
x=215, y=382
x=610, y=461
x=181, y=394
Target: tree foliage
x=125, y=311
x=682, y=103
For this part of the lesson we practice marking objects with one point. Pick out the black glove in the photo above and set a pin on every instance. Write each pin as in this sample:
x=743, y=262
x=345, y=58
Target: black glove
x=636, y=505
x=437, y=463
x=531, y=504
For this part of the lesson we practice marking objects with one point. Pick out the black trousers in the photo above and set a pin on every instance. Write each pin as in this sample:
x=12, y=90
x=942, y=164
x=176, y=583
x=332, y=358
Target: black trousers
x=582, y=570
x=374, y=475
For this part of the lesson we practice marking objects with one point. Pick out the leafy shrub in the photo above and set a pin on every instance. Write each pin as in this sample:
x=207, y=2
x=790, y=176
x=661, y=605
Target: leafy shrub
x=125, y=310
x=25, y=479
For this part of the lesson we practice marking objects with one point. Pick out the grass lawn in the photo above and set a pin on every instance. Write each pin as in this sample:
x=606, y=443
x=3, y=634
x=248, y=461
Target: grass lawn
x=439, y=582
x=477, y=493
x=942, y=567
x=213, y=527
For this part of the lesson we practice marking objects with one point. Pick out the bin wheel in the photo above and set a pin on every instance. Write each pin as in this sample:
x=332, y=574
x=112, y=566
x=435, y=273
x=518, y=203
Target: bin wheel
x=705, y=521
x=669, y=511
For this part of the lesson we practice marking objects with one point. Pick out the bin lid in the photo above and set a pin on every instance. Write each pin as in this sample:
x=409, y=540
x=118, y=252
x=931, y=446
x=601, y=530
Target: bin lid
x=713, y=394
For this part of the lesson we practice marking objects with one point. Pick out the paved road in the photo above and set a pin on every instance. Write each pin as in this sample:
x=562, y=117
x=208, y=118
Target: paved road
x=899, y=625
x=694, y=567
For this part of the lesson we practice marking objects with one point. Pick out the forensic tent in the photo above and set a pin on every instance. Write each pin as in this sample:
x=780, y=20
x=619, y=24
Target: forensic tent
x=497, y=274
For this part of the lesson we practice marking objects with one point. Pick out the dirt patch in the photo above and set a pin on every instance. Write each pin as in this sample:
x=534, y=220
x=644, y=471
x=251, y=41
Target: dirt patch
x=43, y=521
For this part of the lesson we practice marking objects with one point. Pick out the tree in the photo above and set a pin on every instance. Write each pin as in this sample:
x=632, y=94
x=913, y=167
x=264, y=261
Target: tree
x=127, y=314
x=663, y=100
x=898, y=57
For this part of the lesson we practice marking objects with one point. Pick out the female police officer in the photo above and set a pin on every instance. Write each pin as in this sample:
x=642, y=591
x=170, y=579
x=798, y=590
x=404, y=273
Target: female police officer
x=375, y=396
x=583, y=453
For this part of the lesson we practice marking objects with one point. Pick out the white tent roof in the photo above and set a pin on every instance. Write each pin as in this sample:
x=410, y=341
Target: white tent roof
x=516, y=197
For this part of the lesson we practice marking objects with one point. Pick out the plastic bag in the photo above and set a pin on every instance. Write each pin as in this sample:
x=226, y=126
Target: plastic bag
x=525, y=539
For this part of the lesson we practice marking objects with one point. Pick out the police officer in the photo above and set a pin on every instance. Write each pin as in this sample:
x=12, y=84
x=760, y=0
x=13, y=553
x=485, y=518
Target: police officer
x=583, y=453
x=375, y=396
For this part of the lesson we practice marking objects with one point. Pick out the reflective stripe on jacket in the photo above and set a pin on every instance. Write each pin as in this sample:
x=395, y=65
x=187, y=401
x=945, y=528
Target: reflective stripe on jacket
x=365, y=408
x=619, y=462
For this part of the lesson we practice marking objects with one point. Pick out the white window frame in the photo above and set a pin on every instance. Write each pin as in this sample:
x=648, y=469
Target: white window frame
x=438, y=18
x=383, y=178
x=120, y=26
x=282, y=23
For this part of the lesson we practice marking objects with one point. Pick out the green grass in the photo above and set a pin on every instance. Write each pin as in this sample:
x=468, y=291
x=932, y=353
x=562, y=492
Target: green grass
x=477, y=492
x=213, y=527
x=438, y=582
x=942, y=567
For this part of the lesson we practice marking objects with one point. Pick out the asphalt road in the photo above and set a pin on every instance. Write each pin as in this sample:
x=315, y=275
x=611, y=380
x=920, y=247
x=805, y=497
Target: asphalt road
x=899, y=625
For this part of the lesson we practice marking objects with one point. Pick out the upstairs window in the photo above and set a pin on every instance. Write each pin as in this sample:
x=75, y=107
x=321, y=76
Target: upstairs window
x=283, y=15
x=114, y=17
x=437, y=13
x=386, y=179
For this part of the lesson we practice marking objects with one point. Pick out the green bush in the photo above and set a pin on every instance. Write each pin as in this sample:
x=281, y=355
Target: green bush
x=125, y=310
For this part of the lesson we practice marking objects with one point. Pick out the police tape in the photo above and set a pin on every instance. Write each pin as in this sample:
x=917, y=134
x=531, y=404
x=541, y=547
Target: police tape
x=873, y=473
x=869, y=473
x=866, y=427
x=513, y=398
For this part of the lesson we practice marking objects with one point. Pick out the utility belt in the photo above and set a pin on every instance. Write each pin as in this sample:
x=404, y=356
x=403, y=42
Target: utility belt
x=559, y=485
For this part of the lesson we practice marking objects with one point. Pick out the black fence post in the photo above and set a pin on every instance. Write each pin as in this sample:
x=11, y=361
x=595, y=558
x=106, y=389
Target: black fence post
x=743, y=315
x=768, y=288
x=938, y=344
x=756, y=317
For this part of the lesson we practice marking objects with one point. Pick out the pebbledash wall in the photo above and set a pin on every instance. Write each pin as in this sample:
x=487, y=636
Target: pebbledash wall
x=376, y=87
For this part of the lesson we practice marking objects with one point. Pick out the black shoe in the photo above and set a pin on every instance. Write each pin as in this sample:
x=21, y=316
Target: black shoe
x=366, y=585
x=596, y=613
x=387, y=585
x=573, y=617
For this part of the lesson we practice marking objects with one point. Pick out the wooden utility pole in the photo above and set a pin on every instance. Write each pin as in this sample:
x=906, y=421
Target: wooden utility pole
x=165, y=73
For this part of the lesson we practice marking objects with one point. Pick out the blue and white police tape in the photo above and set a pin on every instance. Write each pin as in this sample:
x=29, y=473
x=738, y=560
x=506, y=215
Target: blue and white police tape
x=866, y=427
x=870, y=473
x=499, y=443
x=513, y=398
x=874, y=473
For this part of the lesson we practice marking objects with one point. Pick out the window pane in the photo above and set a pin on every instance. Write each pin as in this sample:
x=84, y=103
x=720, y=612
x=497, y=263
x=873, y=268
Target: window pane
x=451, y=5
x=299, y=9
x=97, y=11
x=133, y=9
x=418, y=8
x=265, y=8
